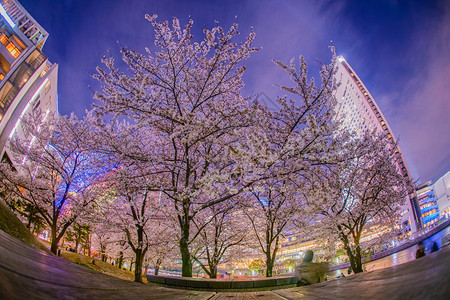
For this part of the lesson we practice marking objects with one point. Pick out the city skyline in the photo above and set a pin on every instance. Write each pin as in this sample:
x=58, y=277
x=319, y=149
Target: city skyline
x=399, y=49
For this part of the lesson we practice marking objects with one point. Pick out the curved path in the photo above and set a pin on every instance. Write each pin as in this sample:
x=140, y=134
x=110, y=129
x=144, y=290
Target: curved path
x=28, y=273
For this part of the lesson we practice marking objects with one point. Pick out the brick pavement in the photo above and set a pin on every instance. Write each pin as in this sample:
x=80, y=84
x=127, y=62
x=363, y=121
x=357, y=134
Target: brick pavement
x=28, y=273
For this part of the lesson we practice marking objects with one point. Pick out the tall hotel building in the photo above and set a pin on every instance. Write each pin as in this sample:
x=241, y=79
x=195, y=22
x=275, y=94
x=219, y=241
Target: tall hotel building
x=358, y=113
x=28, y=80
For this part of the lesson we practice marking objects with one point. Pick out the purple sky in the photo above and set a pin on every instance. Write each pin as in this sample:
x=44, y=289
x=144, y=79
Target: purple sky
x=400, y=49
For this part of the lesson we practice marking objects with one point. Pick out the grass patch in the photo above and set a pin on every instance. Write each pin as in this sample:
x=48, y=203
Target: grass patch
x=10, y=224
x=99, y=266
x=85, y=265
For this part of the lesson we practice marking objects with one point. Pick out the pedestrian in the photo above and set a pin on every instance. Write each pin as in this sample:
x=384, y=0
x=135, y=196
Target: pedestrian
x=420, y=251
x=308, y=272
x=434, y=248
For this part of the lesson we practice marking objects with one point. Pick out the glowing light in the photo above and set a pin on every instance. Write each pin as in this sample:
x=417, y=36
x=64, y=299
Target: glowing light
x=341, y=58
x=7, y=18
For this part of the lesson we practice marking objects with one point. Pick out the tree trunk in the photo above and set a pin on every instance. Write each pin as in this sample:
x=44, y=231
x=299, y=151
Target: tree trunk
x=213, y=264
x=103, y=251
x=131, y=265
x=354, y=258
x=213, y=272
x=138, y=265
x=89, y=245
x=54, y=242
x=139, y=252
x=186, y=270
x=270, y=256
x=358, y=260
x=157, y=265
x=29, y=223
x=269, y=265
x=77, y=243
x=120, y=260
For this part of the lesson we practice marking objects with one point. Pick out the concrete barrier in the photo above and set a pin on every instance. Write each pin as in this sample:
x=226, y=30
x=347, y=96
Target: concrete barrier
x=223, y=284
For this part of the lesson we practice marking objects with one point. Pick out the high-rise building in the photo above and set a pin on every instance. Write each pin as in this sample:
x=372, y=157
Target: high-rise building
x=428, y=205
x=442, y=190
x=358, y=113
x=28, y=80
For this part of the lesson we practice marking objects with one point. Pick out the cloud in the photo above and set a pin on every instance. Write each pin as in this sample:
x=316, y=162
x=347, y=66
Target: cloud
x=286, y=30
x=400, y=51
x=424, y=116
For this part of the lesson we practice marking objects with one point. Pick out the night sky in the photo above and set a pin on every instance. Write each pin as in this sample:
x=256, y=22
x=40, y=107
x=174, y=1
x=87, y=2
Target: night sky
x=400, y=50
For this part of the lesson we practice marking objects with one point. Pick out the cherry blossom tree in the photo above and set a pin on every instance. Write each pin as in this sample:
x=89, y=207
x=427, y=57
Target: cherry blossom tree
x=288, y=150
x=52, y=169
x=221, y=227
x=163, y=243
x=184, y=113
x=365, y=190
x=80, y=234
x=103, y=238
x=130, y=208
x=120, y=251
x=275, y=212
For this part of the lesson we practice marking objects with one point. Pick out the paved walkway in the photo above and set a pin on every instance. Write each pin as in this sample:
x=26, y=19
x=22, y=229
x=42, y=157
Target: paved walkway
x=437, y=232
x=27, y=273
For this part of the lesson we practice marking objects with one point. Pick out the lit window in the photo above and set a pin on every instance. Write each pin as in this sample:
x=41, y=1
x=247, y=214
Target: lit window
x=2, y=76
x=4, y=39
x=47, y=87
x=12, y=48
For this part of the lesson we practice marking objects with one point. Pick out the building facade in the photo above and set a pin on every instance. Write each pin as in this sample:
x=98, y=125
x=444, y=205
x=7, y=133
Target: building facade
x=359, y=113
x=428, y=205
x=28, y=80
x=442, y=190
